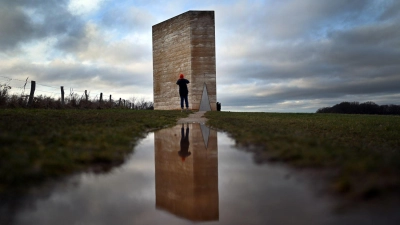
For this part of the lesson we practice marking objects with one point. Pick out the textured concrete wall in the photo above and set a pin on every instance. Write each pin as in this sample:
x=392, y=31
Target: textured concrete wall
x=184, y=44
x=187, y=188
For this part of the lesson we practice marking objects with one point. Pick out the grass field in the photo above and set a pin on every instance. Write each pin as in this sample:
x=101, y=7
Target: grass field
x=38, y=144
x=362, y=150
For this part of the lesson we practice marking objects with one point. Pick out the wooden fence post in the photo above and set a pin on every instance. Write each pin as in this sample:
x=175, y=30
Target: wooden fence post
x=119, y=103
x=62, y=95
x=33, y=87
x=86, y=96
x=110, y=98
x=124, y=103
x=101, y=97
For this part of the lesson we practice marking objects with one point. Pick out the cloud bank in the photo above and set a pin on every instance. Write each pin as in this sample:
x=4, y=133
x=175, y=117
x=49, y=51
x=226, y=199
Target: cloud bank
x=284, y=56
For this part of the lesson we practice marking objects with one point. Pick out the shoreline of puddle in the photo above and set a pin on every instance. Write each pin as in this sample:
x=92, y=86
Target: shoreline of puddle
x=188, y=174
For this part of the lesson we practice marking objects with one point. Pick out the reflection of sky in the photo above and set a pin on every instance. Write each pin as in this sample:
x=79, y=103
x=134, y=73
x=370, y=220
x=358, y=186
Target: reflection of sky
x=122, y=197
x=248, y=194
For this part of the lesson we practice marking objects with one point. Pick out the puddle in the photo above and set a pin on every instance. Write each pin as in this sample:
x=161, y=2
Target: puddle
x=183, y=176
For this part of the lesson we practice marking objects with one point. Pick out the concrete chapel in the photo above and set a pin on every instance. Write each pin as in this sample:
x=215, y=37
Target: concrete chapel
x=185, y=44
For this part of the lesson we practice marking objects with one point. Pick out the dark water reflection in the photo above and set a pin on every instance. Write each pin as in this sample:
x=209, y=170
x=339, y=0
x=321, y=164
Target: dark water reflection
x=183, y=176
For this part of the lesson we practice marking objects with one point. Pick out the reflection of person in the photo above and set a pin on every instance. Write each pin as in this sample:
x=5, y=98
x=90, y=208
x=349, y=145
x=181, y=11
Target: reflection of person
x=183, y=91
x=184, y=152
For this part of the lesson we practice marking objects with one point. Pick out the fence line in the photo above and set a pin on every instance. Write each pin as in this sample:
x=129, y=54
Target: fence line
x=19, y=84
x=33, y=90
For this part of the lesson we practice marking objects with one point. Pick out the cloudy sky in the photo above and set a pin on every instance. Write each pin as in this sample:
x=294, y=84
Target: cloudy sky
x=271, y=55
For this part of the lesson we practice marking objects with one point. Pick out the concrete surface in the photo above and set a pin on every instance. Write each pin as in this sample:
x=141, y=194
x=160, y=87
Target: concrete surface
x=197, y=117
x=184, y=44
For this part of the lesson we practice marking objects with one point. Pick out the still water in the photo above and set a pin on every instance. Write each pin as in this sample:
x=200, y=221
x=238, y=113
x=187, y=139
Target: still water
x=183, y=175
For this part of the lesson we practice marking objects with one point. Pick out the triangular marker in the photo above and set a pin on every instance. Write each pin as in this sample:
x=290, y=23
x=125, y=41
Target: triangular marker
x=205, y=102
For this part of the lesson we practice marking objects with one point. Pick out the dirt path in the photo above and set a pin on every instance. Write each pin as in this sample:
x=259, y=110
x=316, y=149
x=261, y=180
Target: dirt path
x=197, y=117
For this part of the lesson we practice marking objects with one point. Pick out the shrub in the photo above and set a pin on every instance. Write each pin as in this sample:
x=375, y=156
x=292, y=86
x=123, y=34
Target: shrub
x=363, y=108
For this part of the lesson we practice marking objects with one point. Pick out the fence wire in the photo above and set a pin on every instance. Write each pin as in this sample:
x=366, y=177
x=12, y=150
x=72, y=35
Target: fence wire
x=23, y=87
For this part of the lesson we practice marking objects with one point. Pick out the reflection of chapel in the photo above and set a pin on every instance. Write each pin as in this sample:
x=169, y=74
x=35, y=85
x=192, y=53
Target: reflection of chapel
x=188, y=189
x=185, y=44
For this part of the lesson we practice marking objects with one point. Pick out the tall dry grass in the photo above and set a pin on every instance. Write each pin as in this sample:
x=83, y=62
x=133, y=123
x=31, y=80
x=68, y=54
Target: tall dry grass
x=72, y=101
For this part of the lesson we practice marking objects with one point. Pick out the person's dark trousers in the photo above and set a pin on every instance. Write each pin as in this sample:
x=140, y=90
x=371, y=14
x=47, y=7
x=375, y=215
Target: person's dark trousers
x=184, y=98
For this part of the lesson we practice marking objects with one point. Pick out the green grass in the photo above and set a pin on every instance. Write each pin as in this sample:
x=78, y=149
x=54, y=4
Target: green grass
x=38, y=144
x=362, y=150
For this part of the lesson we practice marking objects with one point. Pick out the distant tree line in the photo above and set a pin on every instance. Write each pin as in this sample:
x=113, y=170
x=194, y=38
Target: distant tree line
x=361, y=108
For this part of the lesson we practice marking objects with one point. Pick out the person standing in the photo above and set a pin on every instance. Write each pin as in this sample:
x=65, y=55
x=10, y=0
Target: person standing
x=183, y=91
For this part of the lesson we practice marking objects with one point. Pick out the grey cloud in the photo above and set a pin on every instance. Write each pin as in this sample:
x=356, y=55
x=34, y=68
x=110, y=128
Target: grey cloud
x=319, y=90
x=380, y=34
x=391, y=9
x=25, y=21
x=244, y=100
x=130, y=19
x=14, y=27
x=79, y=75
x=306, y=17
x=366, y=46
x=338, y=90
x=287, y=20
x=74, y=43
x=346, y=54
x=368, y=56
